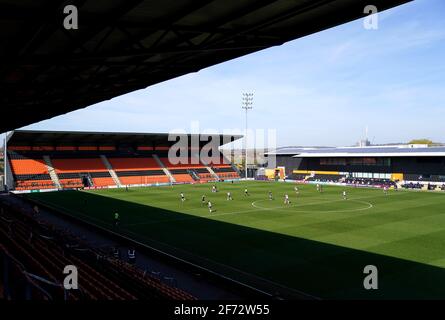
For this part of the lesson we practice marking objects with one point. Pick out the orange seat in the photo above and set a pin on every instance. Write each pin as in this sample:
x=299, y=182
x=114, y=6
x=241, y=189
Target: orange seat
x=71, y=183
x=34, y=184
x=28, y=166
x=78, y=165
x=133, y=164
x=144, y=179
x=221, y=165
x=186, y=163
x=102, y=182
x=183, y=178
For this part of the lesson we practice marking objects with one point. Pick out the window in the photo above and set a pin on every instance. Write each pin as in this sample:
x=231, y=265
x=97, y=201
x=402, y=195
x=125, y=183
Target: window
x=332, y=161
x=383, y=162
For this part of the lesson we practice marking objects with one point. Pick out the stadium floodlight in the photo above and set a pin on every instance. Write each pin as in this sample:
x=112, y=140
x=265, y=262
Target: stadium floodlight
x=247, y=104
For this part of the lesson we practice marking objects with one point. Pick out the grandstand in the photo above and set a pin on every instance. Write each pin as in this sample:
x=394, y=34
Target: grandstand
x=34, y=254
x=51, y=161
x=379, y=165
x=38, y=160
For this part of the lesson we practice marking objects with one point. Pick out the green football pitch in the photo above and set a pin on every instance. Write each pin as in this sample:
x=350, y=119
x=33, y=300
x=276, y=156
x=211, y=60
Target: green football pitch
x=318, y=244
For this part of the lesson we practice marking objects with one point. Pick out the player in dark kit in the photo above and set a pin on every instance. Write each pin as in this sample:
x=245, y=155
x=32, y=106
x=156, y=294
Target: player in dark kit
x=116, y=219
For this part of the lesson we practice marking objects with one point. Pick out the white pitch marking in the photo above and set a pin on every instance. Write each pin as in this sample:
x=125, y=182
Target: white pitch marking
x=369, y=206
x=260, y=208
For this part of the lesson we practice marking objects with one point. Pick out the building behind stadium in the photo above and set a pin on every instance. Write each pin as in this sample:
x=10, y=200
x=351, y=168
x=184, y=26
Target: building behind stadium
x=395, y=164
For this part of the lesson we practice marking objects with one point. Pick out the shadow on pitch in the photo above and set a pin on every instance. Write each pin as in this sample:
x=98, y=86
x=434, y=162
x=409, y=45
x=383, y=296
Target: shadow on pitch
x=319, y=269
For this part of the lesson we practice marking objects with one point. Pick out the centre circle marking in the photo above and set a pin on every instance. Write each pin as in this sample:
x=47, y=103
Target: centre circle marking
x=367, y=206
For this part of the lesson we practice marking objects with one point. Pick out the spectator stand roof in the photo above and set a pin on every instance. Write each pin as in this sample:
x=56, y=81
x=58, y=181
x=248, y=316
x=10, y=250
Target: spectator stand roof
x=371, y=151
x=126, y=45
x=73, y=138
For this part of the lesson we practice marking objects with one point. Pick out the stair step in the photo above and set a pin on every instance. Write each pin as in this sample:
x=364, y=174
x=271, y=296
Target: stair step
x=52, y=172
x=111, y=171
x=166, y=171
x=210, y=170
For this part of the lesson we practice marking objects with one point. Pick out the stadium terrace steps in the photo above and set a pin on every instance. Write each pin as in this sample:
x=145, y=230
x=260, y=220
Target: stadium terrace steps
x=142, y=177
x=28, y=166
x=138, y=170
x=43, y=251
x=34, y=184
x=230, y=163
x=213, y=173
x=33, y=170
x=110, y=169
x=166, y=171
x=29, y=173
x=71, y=183
x=207, y=177
x=225, y=170
x=183, y=177
x=132, y=180
x=94, y=285
x=52, y=172
x=183, y=171
x=103, y=181
x=132, y=163
x=80, y=172
x=78, y=165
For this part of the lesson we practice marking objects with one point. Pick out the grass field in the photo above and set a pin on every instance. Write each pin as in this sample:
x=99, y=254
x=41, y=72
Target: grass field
x=319, y=244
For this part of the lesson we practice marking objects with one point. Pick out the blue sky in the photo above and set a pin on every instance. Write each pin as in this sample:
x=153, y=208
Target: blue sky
x=323, y=89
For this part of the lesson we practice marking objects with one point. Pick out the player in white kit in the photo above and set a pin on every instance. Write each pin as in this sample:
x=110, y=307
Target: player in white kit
x=286, y=199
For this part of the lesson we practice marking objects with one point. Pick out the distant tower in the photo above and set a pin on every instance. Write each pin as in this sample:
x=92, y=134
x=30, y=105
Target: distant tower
x=364, y=142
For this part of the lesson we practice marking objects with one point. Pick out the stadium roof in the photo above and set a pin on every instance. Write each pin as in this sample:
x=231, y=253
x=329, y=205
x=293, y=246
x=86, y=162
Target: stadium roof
x=125, y=45
x=295, y=150
x=50, y=138
x=372, y=151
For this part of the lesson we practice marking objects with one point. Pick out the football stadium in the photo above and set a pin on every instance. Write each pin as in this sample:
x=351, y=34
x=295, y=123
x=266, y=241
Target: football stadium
x=96, y=215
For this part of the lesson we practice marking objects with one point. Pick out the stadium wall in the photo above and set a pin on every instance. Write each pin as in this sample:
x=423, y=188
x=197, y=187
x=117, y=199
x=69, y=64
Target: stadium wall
x=289, y=163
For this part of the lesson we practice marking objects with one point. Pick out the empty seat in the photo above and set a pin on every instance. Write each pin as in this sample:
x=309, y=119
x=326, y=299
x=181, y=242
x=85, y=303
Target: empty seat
x=28, y=166
x=103, y=181
x=103, y=277
x=133, y=164
x=78, y=165
x=144, y=179
x=185, y=163
x=183, y=178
